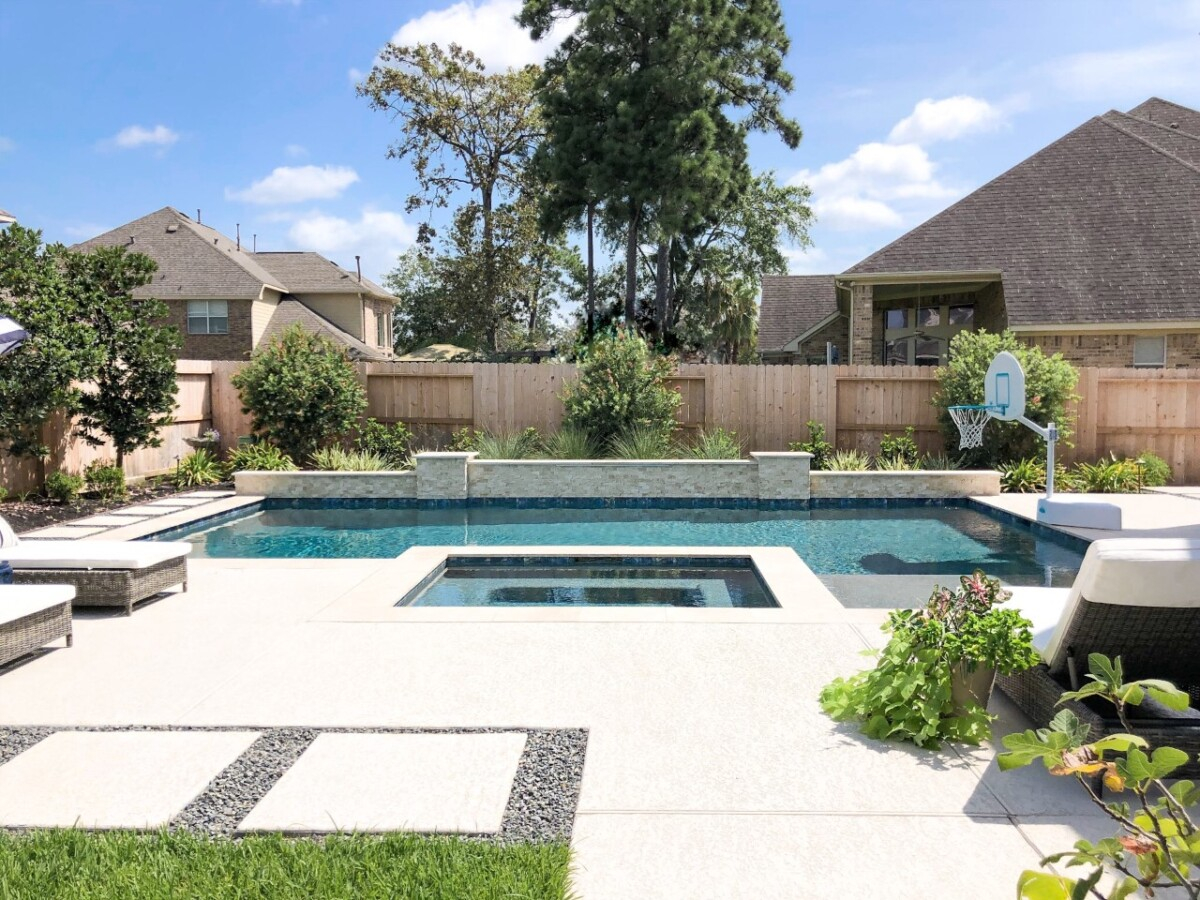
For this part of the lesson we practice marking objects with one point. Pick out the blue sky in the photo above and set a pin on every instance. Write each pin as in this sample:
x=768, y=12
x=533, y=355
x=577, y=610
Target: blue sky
x=246, y=108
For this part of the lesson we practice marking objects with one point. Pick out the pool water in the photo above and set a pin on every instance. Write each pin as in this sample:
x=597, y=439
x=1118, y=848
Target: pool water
x=576, y=582
x=907, y=540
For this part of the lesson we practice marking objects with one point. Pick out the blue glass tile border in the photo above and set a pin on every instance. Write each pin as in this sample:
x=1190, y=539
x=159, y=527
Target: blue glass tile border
x=633, y=560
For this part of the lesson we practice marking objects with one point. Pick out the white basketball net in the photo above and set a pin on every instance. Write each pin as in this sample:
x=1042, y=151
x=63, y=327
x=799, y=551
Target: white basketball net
x=970, y=421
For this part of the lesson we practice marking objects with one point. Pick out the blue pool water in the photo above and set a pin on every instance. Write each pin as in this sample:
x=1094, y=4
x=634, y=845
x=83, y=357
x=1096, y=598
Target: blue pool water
x=686, y=583
x=909, y=540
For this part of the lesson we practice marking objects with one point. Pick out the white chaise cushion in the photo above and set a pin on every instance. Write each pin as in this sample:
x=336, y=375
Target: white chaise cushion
x=30, y=554
x=20, y=600
x=1131, y=572
x=1043, y=607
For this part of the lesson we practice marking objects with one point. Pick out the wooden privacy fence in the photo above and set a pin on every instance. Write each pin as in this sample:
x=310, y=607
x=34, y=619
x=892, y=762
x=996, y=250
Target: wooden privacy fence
x=1126, y=411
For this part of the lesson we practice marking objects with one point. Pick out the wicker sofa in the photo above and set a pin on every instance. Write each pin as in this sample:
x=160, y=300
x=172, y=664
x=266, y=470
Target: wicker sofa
x=31, y=617
x=1136, y=598
x=103, y=573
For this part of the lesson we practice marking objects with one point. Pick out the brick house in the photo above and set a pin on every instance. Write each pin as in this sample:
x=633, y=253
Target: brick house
x=227, y=301
x=1091, y=248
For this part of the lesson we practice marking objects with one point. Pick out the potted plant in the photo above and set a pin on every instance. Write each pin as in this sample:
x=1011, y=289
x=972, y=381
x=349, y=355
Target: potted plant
x=207, y=441
x=934, y=677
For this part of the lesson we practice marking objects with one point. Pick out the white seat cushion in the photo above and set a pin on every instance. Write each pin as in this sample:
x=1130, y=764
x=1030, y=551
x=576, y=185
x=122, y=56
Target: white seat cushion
x=18, y=600
x=1043, y=607
x=31, y=554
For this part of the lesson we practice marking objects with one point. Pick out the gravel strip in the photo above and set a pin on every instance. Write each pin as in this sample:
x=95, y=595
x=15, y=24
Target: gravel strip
x=540, y=809
x=18, y=740
x=231, y=795
x=545, y=791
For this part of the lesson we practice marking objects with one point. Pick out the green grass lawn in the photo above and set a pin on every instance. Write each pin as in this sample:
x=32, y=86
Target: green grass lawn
x=118, y=865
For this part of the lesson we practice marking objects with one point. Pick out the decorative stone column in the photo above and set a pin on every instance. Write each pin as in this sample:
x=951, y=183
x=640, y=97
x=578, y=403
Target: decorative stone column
x=443, y=476
x=783, y=476
x=862, y=312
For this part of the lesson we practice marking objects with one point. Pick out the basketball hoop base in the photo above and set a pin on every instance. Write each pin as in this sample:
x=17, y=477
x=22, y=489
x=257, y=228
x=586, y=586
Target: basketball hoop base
x=1079, y=512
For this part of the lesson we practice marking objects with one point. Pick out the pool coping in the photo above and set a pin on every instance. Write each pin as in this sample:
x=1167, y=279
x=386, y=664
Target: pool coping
x=798, y=591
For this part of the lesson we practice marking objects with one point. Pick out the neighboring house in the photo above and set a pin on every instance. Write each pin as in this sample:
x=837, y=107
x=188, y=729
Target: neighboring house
x=6, y=218
x=1091, y=248
x=227, y=301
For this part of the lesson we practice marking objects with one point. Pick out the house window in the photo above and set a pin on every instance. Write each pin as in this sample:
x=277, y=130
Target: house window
x=381, y=330
x=208, y=317
x=896, y=318
x=962, y=315
x=921, y=336
x=1150, y=352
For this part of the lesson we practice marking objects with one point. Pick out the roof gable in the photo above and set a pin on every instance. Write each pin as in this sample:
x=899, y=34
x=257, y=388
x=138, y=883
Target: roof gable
x=1168, y=114
x=1100, y=226
x=791, y=305
x=193, y=259
x=291, y=312
x=311, y=273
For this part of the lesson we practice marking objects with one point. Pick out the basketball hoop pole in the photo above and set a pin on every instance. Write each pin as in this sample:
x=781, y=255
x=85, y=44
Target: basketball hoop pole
x=1050, y=435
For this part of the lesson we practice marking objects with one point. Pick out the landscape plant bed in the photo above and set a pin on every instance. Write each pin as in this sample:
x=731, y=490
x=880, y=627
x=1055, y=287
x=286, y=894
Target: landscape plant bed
x=38, y=512
x=123, y=865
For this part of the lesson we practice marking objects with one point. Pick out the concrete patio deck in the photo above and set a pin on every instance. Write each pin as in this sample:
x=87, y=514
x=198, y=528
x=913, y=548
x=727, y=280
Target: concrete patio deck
x=710, y=772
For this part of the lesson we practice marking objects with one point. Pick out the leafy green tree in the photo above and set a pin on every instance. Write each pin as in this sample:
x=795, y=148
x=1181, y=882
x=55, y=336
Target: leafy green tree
x=1049, y=392
x=302, y=391
x=134, y=388
x=676, y=86
x=463, y=129
x=38, y=379
x=622, y=386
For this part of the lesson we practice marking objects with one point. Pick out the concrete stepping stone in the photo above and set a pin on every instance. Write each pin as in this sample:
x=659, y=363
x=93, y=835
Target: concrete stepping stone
x=182, y=502
x=108, y=520
x=65, y=531
x=144, y=510
x=211, y=495
x=113, y=779
x=394, y=782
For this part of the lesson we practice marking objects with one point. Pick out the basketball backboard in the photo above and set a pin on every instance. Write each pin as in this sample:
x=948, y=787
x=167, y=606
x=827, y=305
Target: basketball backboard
x=1004, y=386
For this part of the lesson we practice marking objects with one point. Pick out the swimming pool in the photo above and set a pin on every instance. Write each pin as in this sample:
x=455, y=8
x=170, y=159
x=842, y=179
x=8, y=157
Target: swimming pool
x=946, y=539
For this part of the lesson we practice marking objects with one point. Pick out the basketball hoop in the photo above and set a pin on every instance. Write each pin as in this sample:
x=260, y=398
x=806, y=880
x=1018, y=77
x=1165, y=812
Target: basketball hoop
x=970, y=421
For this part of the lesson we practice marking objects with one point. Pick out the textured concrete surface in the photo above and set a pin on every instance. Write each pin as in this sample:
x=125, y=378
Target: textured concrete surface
x=394, y=782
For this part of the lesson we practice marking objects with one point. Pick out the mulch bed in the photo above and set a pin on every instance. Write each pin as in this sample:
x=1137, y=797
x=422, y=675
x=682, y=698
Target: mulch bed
x=39, y=512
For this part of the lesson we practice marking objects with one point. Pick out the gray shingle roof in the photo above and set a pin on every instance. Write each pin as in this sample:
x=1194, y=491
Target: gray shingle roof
x=6, y=217
x=194, y=261
x=1102, y=226
x=312, y=273
x=792, y=304
x=291, y=312
x=1183, y=146
x=1164, y=112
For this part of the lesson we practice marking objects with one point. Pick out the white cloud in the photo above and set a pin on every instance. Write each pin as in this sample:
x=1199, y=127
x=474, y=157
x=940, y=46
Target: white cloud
x=296, y=184
x=138, y=136
x=377, y=235
x=945, y=120
x=295, y=151
x=485, y=28
x=7, y=145
x=1131, y=74
x=855, y=213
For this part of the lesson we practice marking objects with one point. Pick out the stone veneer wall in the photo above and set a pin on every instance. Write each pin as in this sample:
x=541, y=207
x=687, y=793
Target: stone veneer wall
x=765, y=476
x=904, y=485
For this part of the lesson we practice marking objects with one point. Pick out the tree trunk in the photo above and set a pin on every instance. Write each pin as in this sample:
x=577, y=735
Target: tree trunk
x=631, y=261
x=489, y=298
x=591, y=271
x=662, y=267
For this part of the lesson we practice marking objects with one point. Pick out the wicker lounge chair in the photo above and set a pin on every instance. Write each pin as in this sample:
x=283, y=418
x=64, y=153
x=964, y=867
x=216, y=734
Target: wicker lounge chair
x=31, y=617
x=1136, y=598
x=103, y=573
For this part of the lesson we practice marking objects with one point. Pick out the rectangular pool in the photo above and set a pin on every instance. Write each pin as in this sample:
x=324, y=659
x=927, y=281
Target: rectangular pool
x=917, y=538
x=604, y=582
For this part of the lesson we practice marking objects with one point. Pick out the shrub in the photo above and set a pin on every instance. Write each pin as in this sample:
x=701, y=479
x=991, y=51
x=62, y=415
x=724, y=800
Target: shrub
x=622, y=386
x=335, y=459
x=894, y=464
x=640, y=443
x=1049, y=388
x=198, y=468
x=513, y=445
x=570, y=443
x=465, y=440
x=62, y=487
x=1108, y=476
x=259, y=458
x=903, y=448
x=1156, y=471
x=849, y=461
x=1025, y=476
x=816, y=444
x=105, y=480
x=389, y=441
x=717, y=444
x=3, y=494
x=301, y=392
x=940, y=462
